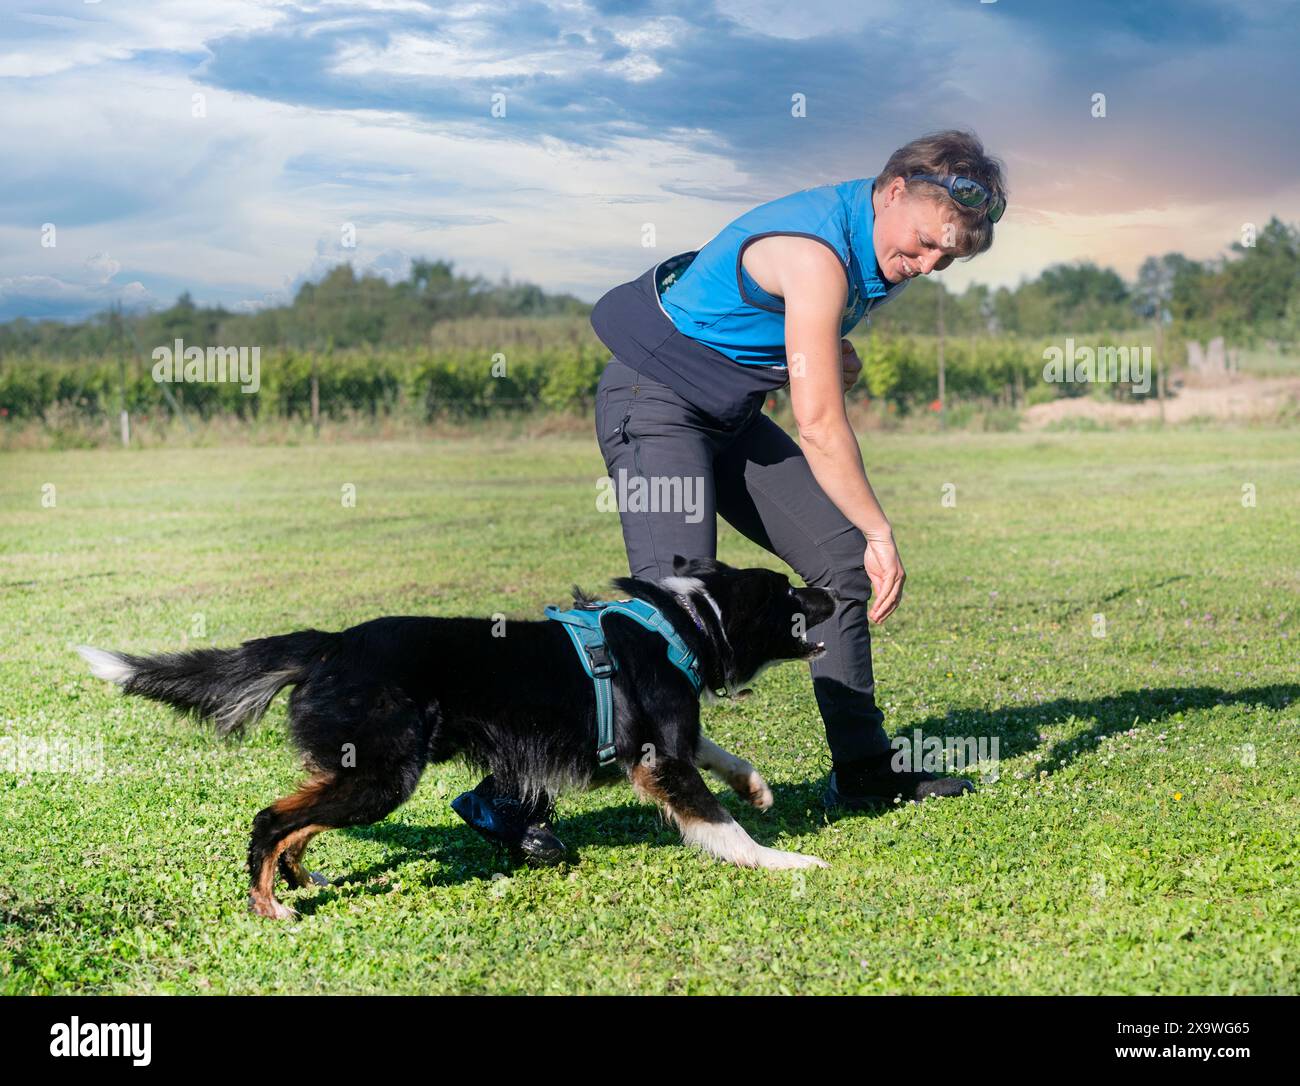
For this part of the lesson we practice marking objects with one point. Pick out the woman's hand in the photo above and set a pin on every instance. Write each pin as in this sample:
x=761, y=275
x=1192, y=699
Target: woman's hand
x=885, y=571
x=850, y=364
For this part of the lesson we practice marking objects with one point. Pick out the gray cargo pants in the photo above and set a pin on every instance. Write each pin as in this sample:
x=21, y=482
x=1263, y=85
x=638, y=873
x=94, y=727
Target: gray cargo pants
x=757, y=478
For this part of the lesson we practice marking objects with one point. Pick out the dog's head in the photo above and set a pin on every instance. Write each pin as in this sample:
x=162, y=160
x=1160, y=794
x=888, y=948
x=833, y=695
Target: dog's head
x=764, y=617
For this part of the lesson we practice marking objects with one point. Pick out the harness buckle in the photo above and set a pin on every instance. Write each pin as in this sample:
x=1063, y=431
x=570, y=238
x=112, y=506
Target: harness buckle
x=602, y=664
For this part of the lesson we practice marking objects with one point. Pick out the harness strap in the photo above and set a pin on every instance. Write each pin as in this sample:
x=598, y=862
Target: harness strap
x=652, y=619
x=588, y=636
x=584, y=630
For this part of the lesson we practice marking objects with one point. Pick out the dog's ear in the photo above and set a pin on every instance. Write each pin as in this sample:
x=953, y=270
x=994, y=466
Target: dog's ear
x=633, y=586
x=685, y=567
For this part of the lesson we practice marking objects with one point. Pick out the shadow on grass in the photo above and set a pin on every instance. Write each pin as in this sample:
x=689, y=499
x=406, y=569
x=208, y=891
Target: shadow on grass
x=464, y=856
x=1018, y=727
x=1145, y=588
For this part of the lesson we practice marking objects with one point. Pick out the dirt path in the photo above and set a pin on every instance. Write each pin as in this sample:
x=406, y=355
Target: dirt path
x=1251, y=399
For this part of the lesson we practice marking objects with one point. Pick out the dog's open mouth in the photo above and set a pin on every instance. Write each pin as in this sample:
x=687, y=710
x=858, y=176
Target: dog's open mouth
x=814, y=651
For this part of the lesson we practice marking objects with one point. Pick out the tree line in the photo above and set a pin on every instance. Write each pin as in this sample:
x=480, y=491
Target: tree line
x=1250, y=296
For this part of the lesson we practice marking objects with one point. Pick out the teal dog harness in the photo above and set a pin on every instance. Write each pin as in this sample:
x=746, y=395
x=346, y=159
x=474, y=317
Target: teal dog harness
x=588, y=637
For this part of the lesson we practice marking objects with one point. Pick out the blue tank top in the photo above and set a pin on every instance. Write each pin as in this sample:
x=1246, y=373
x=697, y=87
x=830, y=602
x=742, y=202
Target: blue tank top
x=717, y=302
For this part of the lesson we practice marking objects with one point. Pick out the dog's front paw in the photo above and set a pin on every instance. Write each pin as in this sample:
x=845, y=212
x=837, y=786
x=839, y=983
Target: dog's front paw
x=757, y=793
x=775, y=860
x=748, y=784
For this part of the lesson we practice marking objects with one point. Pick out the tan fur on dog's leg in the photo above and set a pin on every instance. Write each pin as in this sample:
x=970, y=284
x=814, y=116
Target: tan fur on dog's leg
x=720, y=835
x=262, y=899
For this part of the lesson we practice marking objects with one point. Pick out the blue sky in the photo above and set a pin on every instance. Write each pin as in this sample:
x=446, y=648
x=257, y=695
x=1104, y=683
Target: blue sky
x=618, y=113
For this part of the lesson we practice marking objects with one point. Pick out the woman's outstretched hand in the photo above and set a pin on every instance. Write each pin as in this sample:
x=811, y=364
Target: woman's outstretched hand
x=885, y=571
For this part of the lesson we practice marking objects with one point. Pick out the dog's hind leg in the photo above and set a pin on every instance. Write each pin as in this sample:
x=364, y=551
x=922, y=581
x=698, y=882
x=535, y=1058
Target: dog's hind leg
x=679, y=790
x=291, y=866
x=741, y=777
x=327, y=801
x=377, y=739
x=285, y=826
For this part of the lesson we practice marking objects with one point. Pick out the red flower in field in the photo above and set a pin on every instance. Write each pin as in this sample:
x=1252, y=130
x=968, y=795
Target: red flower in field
x=936, y=405
x=4, y=412
x=771, y=402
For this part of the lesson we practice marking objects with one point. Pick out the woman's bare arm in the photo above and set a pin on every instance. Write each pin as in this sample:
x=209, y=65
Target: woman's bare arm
x=811, y=280
x=815, y=292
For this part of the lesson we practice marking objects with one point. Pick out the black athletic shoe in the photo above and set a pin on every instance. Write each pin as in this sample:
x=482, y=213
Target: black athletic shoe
x=872, y=783
x=525, y=831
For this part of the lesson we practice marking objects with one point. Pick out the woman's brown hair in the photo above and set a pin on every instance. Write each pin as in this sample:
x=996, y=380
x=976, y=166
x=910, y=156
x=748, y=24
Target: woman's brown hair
x=943, y=153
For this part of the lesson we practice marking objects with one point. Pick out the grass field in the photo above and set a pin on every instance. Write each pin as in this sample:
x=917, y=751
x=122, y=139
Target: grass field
x=1142, y=835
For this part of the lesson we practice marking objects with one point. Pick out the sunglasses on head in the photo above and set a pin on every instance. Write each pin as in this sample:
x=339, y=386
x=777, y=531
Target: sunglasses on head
x=966, y=191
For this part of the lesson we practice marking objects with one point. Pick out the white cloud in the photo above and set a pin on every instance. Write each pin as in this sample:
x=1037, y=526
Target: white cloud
x=41, y=44
x=102, y=267
x=38, y=296
x=217, y=203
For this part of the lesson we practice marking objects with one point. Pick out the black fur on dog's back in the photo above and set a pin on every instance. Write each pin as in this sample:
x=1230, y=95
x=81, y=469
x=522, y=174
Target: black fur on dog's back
x=518, y=705
x=513, y=700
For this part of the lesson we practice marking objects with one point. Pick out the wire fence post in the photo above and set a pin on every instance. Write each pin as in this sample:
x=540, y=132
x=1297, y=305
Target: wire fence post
x=943, y=407
x=125, y=417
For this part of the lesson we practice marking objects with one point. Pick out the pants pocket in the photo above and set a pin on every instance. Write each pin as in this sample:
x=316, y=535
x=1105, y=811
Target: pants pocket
x=612, y=417
x=614, y=394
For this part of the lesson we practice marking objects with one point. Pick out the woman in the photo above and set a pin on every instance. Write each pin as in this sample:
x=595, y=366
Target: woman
x=700, y=340
x=698, y=343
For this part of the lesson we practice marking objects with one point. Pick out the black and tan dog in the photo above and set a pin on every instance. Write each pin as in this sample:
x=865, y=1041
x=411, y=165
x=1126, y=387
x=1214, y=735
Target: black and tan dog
x=374, y=704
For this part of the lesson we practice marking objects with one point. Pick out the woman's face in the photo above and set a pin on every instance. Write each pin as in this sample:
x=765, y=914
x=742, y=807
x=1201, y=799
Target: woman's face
x=909, y=233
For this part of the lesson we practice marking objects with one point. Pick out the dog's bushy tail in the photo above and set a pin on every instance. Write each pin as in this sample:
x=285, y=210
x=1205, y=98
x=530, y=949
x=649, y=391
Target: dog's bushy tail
x=230, y=687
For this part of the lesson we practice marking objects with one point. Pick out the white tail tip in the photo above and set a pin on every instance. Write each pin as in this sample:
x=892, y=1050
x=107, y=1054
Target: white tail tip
x=106, y=665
